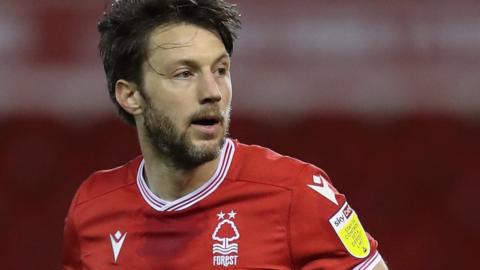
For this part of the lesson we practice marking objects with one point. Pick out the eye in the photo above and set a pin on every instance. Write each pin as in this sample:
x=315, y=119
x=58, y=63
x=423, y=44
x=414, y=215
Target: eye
x=222, y=71
x=183, y=74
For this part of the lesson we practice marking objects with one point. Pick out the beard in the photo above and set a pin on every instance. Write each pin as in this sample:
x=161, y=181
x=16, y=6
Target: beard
x=175, y=147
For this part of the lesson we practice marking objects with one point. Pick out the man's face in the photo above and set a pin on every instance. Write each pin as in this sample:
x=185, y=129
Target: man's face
x=187, y=92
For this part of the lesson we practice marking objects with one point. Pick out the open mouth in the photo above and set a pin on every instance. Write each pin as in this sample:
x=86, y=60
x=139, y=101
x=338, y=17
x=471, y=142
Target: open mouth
x=206, y=121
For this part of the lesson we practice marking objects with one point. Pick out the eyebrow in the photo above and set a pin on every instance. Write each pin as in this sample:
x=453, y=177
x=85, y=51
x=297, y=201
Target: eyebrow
x=188, y=62
x=192, y=63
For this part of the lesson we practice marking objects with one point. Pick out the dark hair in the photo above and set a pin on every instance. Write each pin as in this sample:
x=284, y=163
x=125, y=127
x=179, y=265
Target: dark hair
x=126, y=27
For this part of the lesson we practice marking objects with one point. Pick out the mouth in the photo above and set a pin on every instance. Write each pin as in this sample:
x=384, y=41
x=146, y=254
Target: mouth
x=208, y=126
x=207, y=121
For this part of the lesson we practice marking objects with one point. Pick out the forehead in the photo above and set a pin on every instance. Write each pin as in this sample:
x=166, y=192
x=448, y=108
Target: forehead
x=175, y=41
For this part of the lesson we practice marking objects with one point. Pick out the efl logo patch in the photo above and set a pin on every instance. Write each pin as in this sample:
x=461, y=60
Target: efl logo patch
x=350, y=231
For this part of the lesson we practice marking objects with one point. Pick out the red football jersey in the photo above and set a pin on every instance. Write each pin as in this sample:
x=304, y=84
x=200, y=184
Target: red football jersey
x=260, y=210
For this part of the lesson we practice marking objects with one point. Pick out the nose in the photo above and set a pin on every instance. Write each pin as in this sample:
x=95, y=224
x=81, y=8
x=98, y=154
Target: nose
x=208, y=89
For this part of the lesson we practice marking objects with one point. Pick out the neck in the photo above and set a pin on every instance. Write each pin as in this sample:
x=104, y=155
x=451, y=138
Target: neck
x=170, y=183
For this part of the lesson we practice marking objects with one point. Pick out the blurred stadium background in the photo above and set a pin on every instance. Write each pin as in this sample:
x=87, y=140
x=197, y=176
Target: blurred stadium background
x=383, y=95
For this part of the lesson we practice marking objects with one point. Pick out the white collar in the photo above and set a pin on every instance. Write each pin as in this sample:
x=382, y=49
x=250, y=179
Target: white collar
x=195, y=196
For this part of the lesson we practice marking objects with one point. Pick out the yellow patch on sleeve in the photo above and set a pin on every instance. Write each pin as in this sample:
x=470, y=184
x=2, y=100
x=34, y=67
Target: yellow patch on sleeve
x=350, y=231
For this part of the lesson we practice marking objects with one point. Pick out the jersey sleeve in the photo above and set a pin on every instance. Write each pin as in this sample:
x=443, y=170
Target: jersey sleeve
x=71, y=245
x=325, y=231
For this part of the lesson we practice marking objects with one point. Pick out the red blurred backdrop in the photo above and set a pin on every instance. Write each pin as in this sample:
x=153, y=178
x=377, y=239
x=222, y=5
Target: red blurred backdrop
x=382, y=95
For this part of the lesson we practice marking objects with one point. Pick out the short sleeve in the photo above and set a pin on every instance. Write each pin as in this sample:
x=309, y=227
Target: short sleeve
x=324, y=230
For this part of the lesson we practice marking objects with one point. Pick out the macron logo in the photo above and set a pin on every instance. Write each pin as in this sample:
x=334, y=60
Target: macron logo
x=117, y=242
x=323, y=188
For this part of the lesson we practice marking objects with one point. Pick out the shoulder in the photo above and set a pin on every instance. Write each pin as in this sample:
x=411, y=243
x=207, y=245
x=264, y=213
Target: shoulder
x=310, y=187
x=259, y=164
x=106, y=181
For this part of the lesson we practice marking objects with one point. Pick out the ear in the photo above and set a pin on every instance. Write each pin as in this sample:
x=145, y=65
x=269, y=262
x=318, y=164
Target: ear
x=129, y=97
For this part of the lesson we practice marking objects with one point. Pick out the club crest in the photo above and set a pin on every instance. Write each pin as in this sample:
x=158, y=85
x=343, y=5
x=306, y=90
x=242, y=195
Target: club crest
x=225, y=235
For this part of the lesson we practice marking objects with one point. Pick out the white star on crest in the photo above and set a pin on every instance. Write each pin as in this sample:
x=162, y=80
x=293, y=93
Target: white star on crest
x=221, y=215
x=231, y=214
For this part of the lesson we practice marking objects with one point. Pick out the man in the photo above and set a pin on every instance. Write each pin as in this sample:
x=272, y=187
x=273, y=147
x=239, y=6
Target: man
x=196, y=199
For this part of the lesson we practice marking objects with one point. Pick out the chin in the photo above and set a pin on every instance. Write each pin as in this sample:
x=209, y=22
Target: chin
x=198, y=153
x=209, y=147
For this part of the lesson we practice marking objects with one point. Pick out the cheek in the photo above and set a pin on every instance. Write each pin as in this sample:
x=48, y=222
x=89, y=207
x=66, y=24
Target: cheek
x=227, y=92
x=169, y=104
x=176, y=115
x=165, y=110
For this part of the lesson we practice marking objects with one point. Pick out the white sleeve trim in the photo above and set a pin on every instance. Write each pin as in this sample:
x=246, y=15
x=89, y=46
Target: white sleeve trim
x=369, y=263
